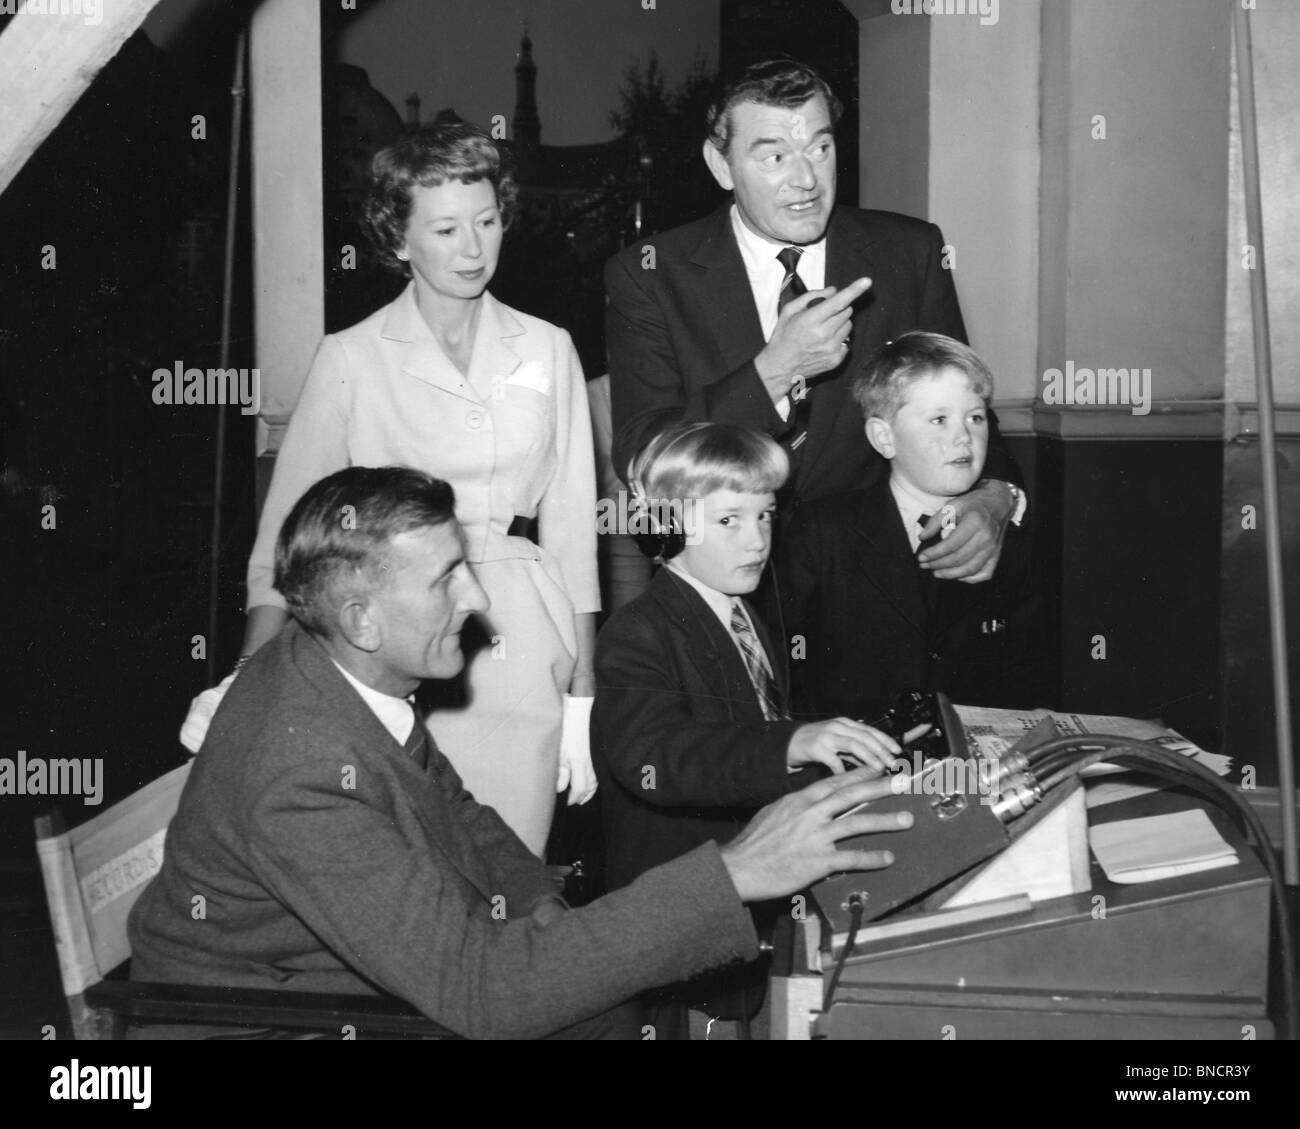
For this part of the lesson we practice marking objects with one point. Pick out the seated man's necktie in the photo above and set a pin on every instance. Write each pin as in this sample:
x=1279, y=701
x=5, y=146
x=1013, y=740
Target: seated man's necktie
x=792, y=287
x=751, y=649
x=417, y=744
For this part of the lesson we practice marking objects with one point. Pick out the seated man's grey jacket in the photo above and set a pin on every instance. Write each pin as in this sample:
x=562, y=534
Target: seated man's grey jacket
x=310, y=852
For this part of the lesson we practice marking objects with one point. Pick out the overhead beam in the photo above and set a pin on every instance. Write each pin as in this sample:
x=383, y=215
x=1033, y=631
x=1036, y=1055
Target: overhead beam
x=47, y=60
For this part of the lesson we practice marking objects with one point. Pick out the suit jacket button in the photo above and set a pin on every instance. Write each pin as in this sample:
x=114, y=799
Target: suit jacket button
x=474, y=420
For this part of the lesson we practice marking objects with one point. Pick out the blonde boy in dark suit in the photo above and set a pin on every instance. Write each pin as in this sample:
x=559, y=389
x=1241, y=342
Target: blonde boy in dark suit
x=690, y=728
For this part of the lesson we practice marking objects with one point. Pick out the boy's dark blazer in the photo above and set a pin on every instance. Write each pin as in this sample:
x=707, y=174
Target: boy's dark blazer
x=680, y=746
x=875, y=624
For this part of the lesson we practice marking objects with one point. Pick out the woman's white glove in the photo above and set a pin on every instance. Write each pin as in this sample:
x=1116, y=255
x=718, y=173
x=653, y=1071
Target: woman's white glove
x=576, y=773
x=195, y=727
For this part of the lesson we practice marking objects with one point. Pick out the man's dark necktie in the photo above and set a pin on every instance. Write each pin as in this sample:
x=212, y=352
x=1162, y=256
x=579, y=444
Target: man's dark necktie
x=791, y=288
x=417, y=745
x=751, y=649
x=792, y=285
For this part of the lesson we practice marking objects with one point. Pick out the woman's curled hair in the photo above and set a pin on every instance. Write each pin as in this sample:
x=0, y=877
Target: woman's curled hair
x=424, y=158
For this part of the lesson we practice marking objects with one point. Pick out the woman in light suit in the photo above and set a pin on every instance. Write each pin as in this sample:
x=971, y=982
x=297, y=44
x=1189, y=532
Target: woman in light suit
x=447, y=379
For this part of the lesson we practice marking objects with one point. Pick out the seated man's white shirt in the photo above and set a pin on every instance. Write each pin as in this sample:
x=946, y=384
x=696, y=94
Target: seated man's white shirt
x=766, y=275
x=397, y=715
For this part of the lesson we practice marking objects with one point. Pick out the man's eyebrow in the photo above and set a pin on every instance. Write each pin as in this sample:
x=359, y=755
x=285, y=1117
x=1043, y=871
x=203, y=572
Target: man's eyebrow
x=451, y=567
x=820, y=135
x=759, y=142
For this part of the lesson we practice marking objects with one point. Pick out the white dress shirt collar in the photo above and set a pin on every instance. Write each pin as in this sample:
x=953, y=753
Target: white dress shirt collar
x=397, y=715
x=912, y=505
x=766, y=272
x=721, y=604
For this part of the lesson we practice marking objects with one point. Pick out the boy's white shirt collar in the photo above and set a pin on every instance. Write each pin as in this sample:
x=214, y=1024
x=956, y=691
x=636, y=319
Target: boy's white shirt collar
x=720, y=604
x=397, y=715
x=912, y=505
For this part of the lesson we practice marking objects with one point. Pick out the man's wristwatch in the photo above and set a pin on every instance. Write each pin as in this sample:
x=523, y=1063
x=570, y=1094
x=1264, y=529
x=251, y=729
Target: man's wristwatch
x=1019, y=503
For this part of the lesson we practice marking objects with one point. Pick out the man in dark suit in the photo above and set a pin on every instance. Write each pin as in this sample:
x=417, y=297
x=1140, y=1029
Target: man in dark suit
x=868, y=622
x=323, y=843
x=754, y=314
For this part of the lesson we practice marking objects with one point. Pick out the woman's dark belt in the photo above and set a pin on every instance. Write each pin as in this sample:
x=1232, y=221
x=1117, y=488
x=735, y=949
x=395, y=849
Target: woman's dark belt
x=524, y=527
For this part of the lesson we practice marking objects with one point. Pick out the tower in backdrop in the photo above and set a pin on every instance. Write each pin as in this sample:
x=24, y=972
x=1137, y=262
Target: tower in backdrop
x=526, y=127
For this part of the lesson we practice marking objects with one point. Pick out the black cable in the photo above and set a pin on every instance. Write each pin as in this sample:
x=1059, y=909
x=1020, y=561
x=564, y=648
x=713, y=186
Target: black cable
x=1038, y=753
x=1177, y=767
x=856, y=909
x=1047, y=758
x=1045, y=764
x=1073, y=768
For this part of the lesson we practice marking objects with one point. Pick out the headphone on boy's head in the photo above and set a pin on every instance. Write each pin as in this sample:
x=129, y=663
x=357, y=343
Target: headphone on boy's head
x=658, y=524
x=659, y=544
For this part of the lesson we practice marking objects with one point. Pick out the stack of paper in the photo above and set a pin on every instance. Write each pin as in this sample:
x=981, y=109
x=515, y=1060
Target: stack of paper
x=1159, y=846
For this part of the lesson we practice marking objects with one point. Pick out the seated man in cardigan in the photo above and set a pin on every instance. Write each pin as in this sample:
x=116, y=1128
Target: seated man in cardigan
x=324, y=844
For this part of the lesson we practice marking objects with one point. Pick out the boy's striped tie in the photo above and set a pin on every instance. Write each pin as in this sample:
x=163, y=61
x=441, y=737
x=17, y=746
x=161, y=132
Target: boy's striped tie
x=752, y=652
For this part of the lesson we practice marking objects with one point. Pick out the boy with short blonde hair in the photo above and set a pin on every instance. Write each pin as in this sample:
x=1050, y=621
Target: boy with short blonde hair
x=691, y=730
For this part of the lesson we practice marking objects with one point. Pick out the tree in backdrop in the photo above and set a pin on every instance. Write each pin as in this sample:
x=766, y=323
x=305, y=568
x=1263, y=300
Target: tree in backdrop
x=665, y=127
x=552, y=265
